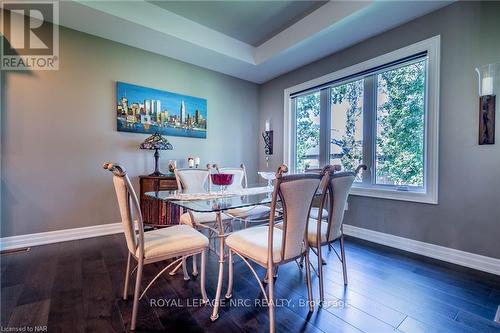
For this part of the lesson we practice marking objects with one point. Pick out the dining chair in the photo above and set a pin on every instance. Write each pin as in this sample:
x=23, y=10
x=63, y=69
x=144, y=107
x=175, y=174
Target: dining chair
x=191, y=180
x=174, y=242
x=334, y=189
x=252, y=214
x=270, y=247
x=315, y=210
x=194, y=181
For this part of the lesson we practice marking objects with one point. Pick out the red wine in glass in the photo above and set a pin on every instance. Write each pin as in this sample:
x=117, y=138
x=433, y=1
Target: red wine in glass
x=222, y=180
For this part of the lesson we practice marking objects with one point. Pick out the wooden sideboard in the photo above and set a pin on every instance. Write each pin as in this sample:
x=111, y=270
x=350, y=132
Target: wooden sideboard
x=154, y=212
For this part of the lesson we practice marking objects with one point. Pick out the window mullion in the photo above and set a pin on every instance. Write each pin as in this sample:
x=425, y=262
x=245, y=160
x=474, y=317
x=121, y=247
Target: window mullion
x=324, y=131
x=369, y=128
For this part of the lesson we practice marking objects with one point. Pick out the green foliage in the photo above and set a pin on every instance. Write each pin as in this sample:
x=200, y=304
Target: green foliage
x=307, y=130
x=401, y=125
x=352, y=150
x=400, y=121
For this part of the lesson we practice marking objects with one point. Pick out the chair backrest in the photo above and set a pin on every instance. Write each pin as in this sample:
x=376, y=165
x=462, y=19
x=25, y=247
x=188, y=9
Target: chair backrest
x=296, y=193
x=239, y=177
x=129, y=207
x=338, y=191
x=324, y=180
x=334, y=189
x=340, y=186
x=193, y=180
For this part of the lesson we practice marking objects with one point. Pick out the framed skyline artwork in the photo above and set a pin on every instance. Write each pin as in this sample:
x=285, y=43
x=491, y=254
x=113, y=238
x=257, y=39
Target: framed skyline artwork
x=147, y=110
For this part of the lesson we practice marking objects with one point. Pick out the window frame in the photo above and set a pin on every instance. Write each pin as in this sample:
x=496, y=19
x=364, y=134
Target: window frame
x=429, y=193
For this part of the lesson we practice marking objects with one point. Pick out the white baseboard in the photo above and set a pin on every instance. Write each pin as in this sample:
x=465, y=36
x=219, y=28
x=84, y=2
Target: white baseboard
x=467, y=259
x=15, y=242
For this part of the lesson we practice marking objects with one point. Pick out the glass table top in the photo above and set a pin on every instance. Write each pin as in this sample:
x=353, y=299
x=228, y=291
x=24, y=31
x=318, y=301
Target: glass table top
x=214, y=201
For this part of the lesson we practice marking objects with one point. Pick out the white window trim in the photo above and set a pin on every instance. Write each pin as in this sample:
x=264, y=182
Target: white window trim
x=432, y=46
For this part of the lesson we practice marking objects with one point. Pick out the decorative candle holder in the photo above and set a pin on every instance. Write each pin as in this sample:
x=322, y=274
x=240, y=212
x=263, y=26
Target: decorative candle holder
x=268, y=144
x=488, y=76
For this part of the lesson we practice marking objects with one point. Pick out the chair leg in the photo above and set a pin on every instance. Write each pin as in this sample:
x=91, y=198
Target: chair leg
x=184, y=269
x=320, y=274
x=342, y=254
x=202, y=282
x=270, y=299
x=195, y=265
x=176, y=268
x=229, y=292
x=137, y=290
x=275, y=275
x=308, y=282
x=127, y=277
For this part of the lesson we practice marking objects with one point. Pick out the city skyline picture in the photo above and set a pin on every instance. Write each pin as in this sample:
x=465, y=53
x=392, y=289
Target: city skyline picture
x=146, y=110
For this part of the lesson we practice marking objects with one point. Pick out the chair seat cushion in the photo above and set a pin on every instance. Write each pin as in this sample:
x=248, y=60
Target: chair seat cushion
x=200, y=218
x=315, y=211
x=258, y=212
x=252, y=243
x=170, y=241
x=312, y=231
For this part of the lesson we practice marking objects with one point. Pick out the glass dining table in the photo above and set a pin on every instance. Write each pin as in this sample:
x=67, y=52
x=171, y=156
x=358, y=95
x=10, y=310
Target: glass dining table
x=218, y=203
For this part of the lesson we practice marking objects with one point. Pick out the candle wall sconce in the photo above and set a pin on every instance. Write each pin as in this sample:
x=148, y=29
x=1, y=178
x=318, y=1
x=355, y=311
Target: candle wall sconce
x=267, y=135
x=268, y=142
x=488, y=77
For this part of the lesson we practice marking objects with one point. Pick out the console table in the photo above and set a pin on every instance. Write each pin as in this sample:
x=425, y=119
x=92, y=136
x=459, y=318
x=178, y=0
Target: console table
x=154, y=212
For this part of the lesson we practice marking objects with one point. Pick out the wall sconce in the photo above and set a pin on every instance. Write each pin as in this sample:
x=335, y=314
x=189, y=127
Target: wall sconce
x=268, y=141
x=487, y=87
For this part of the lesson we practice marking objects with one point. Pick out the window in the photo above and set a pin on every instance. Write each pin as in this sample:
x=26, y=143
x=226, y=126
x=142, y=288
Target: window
x=399, y=158
x=382, y=113
x=307, y=129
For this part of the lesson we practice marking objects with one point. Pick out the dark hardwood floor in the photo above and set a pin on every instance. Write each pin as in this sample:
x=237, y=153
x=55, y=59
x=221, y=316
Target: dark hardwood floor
x=76, y=287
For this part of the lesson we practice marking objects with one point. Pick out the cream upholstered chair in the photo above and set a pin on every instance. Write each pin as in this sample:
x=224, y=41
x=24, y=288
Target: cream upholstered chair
x=315, y=210
x=257, y=213
x=240, y=180
x=269, y=246
x=334, y=193
x=152, y=246
x=195, y=181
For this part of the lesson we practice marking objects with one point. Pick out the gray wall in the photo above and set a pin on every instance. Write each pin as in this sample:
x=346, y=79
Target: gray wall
x=468, y=214
x=58, y=127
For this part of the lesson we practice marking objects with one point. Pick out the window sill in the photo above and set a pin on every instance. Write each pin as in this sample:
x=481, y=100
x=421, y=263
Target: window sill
x=385, y=193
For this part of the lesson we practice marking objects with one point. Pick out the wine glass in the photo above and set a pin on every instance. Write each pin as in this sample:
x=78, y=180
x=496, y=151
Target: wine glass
x=269, y=176
x=222, y=180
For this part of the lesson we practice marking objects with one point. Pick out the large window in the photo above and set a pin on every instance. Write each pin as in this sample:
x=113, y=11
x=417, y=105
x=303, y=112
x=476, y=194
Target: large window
x=382, y=113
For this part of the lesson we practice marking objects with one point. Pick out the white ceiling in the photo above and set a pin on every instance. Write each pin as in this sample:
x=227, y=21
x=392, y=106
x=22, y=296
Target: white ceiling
x=252, y=22
x=298, y=34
